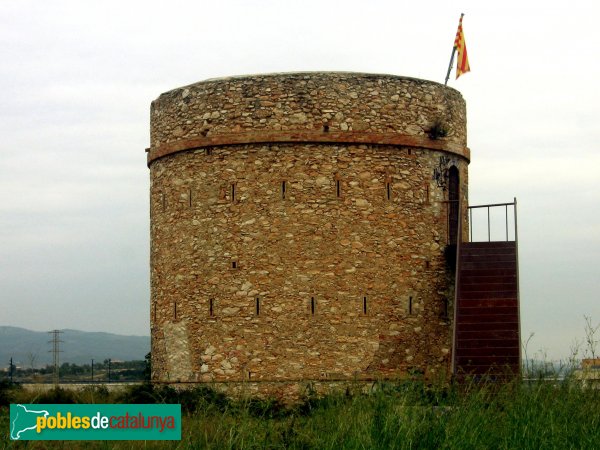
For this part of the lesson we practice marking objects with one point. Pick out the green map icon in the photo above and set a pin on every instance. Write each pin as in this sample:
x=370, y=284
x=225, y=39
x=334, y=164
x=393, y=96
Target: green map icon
x=23, y=420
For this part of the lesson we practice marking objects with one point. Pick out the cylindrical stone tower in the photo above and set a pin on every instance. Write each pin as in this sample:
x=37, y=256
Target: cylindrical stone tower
x=299, y=223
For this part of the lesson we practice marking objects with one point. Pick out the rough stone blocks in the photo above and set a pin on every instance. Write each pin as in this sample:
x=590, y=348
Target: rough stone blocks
x=298, y=227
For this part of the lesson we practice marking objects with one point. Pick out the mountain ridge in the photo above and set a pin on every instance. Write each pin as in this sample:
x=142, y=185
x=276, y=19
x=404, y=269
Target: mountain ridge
x=33, y=348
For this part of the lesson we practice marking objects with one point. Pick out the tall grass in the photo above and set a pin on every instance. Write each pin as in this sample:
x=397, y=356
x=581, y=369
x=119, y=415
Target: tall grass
x=407, y=415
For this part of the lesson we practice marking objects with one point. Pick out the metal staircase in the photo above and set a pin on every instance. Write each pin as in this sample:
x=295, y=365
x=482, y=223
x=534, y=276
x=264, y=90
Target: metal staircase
x=486, y=322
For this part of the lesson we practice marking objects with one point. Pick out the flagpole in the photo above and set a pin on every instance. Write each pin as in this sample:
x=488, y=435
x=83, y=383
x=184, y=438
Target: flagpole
x=450, y=65
x=451, y=58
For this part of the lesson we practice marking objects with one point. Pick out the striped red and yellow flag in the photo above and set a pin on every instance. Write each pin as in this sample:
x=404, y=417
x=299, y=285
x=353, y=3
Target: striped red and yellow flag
x=462, y=63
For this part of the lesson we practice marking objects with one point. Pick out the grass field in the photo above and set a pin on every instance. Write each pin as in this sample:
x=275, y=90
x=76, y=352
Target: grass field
x=408, y=415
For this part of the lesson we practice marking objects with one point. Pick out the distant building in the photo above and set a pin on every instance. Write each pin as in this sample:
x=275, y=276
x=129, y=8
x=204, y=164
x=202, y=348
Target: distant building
x=589, y=374
x=590, y=364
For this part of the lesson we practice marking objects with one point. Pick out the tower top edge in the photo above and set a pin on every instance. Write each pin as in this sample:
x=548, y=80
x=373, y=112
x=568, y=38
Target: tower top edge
x=311, y=75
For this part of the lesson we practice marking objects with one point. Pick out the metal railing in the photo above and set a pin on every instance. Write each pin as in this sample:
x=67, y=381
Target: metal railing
x=489, y=223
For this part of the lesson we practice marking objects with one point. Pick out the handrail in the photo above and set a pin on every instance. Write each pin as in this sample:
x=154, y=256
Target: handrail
x=489, y=229
x=491, y=205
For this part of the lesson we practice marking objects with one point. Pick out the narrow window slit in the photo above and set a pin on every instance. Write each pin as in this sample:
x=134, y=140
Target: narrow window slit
x=364, y=305
x=338, y=188
x=410, y=305
x=283, y=189
x=175, y=310
x=326, y=128
x=234, y=264
x=409, y=151
x=312, y=305
x=190, y=197
x=427, y=193
x=388, y=190
x=233, y=192
x=210, y=307
x=257, y=306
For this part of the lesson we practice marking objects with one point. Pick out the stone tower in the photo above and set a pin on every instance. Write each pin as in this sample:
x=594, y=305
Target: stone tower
x=299, y=224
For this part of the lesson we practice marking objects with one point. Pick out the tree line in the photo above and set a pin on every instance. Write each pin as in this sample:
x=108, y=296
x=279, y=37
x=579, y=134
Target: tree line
x=106, y=370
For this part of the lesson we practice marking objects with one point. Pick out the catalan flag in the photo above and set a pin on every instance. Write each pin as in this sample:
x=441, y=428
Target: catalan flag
x=462, y=63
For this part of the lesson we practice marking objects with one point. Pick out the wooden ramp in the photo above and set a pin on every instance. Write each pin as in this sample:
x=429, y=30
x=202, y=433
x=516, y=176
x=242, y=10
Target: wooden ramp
x=487, y=337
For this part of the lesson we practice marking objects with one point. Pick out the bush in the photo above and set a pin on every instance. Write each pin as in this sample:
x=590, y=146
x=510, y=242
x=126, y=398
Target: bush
x=57, y=395
x=202, y=398
x=94, y=394
x=266, y=409
x=7, y=392
x=139, y=394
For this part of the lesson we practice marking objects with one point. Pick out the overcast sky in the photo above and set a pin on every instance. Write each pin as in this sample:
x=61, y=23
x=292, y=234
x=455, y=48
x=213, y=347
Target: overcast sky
x=77, y=79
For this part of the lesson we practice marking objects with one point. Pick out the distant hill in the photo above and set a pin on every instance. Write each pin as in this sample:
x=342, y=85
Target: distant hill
x=78, y=347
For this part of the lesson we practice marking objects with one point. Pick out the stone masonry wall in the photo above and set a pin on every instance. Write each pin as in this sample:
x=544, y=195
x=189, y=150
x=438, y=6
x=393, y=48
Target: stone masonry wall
x=297, y=231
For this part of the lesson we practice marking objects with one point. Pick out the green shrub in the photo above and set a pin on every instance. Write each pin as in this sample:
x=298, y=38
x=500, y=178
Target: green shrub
x=266, y=409
x=56, y=395
x=8, y=391
x=94, y=394
x=202, y=398
x=138, y=394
